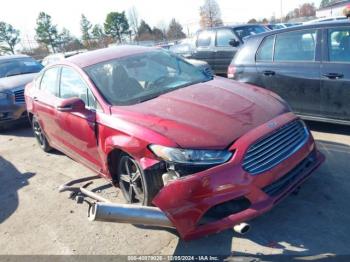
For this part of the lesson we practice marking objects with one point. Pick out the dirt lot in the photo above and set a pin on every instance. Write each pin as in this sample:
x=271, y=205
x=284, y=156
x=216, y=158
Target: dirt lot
x=36, y=219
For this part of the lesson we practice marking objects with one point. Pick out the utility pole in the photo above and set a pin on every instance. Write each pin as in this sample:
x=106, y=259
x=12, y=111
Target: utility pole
x=281, y=11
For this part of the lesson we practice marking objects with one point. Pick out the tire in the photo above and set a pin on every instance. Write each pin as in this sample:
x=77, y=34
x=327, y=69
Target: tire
x=40, y=136
x=141, y=188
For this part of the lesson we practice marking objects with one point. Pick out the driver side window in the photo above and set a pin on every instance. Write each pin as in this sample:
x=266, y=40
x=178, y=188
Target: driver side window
x=71, y=85
x=223, y=37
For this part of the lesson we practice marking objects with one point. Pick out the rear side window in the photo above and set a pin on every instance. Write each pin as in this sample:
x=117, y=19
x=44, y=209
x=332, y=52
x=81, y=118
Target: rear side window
x=204, y=38
x=296, y=46
x=49, y=81
x=224, y=36
x=339, y=44
x=265, y=52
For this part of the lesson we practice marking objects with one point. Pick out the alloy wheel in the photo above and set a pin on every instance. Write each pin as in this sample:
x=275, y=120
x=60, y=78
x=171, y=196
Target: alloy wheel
x=130, y=181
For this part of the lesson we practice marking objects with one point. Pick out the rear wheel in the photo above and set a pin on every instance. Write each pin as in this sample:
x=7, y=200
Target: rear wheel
x=132, y=181
x=39, y=135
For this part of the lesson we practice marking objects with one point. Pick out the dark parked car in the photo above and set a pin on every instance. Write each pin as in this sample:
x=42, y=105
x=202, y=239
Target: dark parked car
x=217, y=46
x=15, y=72
x=309, y=66
x=208, y=152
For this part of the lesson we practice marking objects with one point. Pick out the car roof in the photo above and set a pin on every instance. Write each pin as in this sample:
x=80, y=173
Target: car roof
x=102, y=55
x=10, y=57
x=301, y=27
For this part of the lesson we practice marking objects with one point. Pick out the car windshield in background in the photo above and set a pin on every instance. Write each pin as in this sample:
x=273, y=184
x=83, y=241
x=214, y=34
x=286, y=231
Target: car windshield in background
x=19, y=67
x=137, y=78
x=245, y=31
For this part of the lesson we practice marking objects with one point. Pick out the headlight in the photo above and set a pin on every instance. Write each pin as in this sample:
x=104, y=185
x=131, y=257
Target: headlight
x=3, y=96
x=189, y=156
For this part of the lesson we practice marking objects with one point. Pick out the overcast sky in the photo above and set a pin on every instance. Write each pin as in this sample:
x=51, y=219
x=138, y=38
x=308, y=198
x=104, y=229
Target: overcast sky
x=66, y=13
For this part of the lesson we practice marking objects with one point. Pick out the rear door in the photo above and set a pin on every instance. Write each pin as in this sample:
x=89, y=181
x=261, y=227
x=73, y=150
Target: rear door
x=204, y=47
x=335, y=71
x=289, y=64
x=45, y=100
x=223, y=51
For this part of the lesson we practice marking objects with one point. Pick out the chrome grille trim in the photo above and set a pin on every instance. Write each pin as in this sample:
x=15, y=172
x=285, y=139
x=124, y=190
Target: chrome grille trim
x=19, y=96
x=275, y=148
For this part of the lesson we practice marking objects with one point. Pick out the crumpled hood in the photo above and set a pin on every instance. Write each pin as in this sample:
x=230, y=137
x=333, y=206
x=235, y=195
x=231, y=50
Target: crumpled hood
x=8, y=83
x=208, y=115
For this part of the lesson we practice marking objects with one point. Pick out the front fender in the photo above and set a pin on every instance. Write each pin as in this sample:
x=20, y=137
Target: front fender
x=117, y=133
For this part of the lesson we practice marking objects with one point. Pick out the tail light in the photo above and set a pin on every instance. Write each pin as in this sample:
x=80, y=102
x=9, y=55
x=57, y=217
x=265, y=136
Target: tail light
x=231, y=71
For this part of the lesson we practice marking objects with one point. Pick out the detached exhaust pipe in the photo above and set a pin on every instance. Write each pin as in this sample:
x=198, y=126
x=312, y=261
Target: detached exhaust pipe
x=241, y=228
x=130, y=214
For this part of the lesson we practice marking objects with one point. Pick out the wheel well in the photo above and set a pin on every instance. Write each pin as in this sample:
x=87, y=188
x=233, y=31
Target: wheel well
x=113, y=161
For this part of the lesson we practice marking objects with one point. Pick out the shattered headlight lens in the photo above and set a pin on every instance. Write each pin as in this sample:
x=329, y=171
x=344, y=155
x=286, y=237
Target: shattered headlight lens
x=189, y=156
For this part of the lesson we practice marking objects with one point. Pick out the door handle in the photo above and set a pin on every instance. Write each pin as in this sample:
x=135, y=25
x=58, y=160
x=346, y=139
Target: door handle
x=35, y=98
x=333, y=75
x=269, y=73
x=64, y=108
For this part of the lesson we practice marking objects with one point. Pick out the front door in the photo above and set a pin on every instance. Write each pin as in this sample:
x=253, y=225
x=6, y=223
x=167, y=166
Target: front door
x=335, y=71
x=223, y=51
x=293, y=71
x=78, y=129
x=204, y=47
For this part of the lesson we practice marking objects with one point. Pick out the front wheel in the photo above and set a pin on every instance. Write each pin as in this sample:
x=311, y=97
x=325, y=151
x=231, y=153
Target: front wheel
x=39, y=135
x=136, y=187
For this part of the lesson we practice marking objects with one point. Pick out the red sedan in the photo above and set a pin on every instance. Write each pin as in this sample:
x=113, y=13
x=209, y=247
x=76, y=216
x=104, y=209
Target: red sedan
x=208, y=151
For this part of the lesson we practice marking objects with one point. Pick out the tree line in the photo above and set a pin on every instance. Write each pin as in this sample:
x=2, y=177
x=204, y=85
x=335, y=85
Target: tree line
x=306, y=10
x=116, y=28
x=119, y=27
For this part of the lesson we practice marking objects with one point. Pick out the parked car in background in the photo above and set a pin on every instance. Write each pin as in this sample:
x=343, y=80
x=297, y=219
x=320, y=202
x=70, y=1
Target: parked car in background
x=281, y=25
x=326, y=19
x=184, y=47
x=309, y=66
x=276, y=26
x=217, y=46
x=59, y=56
x=15, y=72
x=162, y=130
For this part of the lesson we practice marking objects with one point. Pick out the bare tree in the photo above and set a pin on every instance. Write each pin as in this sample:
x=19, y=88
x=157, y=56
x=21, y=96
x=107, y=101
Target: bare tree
x=134, y=22
x=210, y=14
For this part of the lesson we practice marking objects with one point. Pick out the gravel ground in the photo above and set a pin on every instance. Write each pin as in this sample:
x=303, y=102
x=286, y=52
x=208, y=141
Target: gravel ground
x=36, y=219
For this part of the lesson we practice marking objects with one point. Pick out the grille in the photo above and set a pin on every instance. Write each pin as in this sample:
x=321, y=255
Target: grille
x=284, y=182
x=276, y=147
x=225, y=209
x=19, y=96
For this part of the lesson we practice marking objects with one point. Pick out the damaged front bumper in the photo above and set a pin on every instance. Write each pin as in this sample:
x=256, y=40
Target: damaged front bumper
x=226, y=195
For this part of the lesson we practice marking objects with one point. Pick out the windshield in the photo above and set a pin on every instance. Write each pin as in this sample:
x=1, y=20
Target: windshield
x=19, y=66
x=137, y=78
x=245, y=31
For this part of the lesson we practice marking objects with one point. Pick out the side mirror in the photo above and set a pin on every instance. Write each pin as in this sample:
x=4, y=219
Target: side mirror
x=234, y=43
x=71, y=105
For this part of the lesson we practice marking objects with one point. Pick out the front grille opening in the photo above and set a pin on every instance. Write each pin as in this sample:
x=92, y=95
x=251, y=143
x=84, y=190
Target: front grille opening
x=19, y=96
x=275, y=148
x=223, y=210
x=284, y=182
